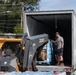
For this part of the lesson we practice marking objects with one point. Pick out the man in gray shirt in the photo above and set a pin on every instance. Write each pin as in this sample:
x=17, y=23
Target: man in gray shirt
x=59, y=42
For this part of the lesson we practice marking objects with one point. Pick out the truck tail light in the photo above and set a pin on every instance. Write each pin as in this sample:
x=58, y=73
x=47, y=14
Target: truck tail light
x=68, y=69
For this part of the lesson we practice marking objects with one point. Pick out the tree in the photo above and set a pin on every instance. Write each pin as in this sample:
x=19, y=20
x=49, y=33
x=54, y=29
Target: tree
x=29, y=4
x=11, y=13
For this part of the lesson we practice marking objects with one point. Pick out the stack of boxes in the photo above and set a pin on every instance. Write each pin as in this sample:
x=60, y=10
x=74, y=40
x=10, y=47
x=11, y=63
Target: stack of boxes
x=47, y=53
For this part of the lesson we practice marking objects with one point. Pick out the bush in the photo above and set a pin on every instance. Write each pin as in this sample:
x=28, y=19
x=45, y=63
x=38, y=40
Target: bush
x=18, y=29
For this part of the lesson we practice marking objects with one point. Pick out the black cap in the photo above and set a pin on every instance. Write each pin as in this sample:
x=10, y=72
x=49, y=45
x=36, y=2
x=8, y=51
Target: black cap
x=57, y=33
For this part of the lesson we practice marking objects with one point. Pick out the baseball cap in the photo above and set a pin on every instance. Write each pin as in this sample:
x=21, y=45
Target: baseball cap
x=57, y=33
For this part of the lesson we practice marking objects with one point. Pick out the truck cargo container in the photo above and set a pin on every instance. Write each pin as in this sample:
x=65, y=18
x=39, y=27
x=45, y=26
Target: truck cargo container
x=50, y=22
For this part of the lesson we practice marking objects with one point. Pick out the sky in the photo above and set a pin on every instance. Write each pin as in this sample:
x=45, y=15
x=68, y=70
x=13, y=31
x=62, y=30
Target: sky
x=58, y=4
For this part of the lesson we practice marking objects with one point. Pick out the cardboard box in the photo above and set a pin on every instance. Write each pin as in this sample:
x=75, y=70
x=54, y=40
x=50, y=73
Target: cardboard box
x=43, y=54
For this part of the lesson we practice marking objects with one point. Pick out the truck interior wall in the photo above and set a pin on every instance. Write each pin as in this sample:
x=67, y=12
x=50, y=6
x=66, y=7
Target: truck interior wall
x=35, y=27
x=50, y=24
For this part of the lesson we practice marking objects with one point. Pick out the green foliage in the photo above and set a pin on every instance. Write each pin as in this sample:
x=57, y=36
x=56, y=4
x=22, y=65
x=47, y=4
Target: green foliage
x=1, y=31
x=10, y=14
x=18, y=29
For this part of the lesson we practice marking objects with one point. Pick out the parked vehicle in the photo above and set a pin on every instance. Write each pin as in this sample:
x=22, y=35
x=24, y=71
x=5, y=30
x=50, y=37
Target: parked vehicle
x=49, y=22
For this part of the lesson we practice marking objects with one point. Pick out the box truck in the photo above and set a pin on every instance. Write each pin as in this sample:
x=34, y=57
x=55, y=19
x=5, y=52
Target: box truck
x=50, y=22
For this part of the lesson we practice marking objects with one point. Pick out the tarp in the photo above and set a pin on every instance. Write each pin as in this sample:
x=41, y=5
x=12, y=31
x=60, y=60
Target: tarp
x=64, y=73
x=33, y=73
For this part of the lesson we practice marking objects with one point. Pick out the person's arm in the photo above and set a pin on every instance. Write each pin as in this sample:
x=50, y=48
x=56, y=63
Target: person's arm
x=54, y=42
x=62, y=41
x=62, y=44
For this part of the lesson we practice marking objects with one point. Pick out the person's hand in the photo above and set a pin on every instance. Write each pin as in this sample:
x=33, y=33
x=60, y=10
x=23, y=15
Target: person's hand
x=52, y=40
x=62, y=47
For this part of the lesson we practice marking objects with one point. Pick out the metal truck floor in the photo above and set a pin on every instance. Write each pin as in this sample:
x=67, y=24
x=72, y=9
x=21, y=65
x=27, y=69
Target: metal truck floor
x=52, y=68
